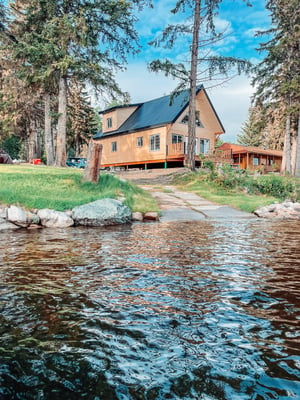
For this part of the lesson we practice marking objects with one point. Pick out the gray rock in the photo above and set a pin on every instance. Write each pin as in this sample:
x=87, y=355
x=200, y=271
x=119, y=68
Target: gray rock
x=3, y=212
x=20, y=217
x=54, y=219
x=101, y=213
x=137, y=216
x=4, y=225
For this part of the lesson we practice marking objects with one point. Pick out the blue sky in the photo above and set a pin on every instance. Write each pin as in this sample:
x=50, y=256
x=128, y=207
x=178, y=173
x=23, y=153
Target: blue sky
x=231, y=99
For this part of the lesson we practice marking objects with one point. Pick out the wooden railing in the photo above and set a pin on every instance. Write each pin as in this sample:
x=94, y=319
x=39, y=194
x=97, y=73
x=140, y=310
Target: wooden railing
x=175, y=149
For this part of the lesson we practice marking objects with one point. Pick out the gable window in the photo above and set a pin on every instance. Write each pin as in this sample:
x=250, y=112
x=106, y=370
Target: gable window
x=154, y=142
x=177, y=138
x=185, y=120
x=140, y=141
x=204, y=146
x=108, y=122
x=113, y=146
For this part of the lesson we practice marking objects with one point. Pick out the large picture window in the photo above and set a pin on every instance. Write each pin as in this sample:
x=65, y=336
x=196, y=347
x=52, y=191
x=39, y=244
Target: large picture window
x=154, y=142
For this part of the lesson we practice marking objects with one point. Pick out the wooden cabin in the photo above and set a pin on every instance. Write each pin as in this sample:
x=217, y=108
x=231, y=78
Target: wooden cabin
x=253, y=158
x=155, y=133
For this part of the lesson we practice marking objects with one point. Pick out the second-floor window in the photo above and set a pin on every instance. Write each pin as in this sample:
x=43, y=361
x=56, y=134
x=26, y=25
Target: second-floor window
x=108, y=122
x=113, y=146
x=154, y=142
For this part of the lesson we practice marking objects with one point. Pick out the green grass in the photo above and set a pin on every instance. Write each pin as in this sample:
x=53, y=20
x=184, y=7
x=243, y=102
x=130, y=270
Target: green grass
x=213, y=192
x=62, y=188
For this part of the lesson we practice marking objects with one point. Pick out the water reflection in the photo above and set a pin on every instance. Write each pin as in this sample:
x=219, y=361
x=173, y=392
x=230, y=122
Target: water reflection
x=151, y=311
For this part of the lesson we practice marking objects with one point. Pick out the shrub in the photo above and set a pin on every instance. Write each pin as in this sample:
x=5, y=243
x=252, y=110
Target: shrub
x=277, y=186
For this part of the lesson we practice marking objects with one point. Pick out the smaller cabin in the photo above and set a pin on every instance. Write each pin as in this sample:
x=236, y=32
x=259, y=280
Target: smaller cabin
x=253, y=158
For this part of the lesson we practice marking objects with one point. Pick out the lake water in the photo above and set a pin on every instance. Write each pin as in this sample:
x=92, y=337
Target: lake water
x=202, y=310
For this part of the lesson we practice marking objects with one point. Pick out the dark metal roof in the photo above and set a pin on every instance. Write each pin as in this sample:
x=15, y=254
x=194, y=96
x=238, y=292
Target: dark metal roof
x=157, y=112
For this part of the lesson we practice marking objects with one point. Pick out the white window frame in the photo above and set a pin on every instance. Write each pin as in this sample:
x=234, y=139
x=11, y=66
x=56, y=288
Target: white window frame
x=204, y=146
x=154, y=142
x=175, y=138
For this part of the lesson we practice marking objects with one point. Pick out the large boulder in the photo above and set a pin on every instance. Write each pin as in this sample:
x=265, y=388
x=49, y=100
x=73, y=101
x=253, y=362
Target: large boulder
x=20, y=217
x=54, y=219
x=285, y=210
x=101, y=213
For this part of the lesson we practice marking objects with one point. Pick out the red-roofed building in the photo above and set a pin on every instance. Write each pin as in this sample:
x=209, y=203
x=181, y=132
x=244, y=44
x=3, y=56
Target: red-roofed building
x=253, y=158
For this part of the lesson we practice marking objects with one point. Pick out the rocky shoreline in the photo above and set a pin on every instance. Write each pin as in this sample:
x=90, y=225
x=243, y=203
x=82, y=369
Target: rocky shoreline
x=286, y=210
x=103, y=212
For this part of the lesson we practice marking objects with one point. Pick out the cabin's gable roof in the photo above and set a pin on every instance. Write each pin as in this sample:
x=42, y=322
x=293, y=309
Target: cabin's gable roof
x=154, y=113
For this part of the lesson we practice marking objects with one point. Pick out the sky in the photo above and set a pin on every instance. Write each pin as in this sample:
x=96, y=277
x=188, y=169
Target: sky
x=231, y=99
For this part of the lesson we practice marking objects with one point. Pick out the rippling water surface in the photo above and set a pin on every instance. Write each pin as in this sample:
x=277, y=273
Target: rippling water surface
x=206, y=310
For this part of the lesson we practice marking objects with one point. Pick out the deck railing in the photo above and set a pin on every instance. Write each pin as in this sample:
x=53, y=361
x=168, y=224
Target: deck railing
x=175, y=149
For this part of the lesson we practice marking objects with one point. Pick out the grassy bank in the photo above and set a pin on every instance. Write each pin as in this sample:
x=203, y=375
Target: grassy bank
x=238, y=189
x=60, y=189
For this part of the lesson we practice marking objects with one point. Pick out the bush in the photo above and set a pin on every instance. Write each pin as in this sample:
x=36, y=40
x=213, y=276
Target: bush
x=228, y=177
x=277, y=186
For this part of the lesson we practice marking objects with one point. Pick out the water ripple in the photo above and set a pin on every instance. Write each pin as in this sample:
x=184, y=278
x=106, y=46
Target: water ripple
x=157, y=311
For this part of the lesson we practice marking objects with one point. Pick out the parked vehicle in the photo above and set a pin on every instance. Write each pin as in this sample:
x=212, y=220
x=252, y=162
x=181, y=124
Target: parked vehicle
x=76, y=162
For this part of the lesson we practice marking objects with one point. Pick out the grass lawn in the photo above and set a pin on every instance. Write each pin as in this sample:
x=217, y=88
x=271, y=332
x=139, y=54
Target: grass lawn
x=213, y=192
x=34, y=186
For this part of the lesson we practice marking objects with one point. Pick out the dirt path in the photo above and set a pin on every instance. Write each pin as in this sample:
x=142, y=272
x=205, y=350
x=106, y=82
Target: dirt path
x=176, y=205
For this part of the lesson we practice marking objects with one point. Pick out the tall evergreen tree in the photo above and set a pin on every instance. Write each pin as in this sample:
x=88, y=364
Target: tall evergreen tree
x=202, y=64
x=278, y=77
x=83, y=39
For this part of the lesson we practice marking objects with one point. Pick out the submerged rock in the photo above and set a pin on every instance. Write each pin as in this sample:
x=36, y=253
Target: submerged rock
x=101, y=213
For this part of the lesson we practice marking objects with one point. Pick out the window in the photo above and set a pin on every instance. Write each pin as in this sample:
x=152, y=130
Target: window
x=204, y=146
x=177, y=138
x=113, y=146
x=139, y=141
x=255, y=161
x=198, y=122
x=154, y=142
x=185, y=120
x=109, y=122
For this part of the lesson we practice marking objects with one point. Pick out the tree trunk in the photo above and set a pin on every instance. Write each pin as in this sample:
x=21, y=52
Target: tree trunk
x=31, y=141
x=297, y=161
x=193, y=87
x=48, y=131
x=61, y=152
x=286, y=159
x=92, y=169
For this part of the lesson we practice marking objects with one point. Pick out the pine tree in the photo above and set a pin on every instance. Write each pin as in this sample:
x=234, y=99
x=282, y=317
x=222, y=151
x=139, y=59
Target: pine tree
x=63, y=40
x=83, y=120
x=203, y=66
x=278, y=77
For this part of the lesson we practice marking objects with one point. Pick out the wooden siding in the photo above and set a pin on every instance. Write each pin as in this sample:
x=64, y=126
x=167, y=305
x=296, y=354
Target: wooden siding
x=127, y=150
x=118, y=117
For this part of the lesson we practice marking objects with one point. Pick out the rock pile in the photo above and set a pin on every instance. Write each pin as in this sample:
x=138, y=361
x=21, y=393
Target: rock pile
x=97, y=213
x=285, y=210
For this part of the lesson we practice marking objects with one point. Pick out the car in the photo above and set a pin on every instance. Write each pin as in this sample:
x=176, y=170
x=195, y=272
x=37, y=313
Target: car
x=76, y=162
